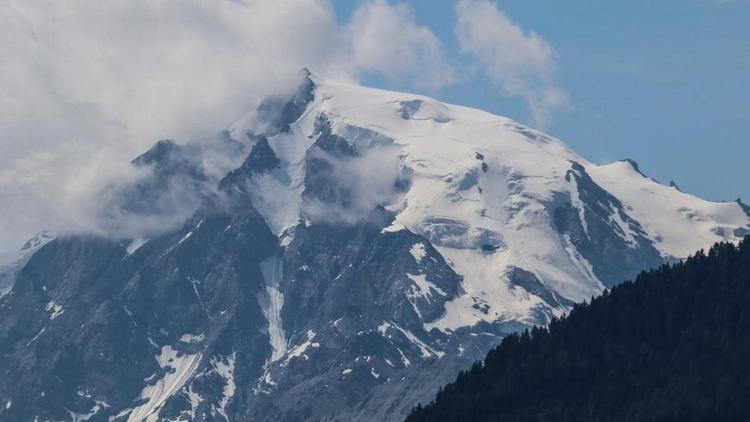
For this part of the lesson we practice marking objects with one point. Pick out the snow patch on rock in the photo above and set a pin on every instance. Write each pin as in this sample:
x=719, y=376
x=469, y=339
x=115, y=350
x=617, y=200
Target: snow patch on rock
x=272, y=303
x=299, y=350
x=179, y=368
x=54, y=309
x=418, y=252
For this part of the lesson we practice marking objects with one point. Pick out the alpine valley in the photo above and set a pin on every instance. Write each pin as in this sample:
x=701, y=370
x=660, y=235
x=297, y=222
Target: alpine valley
x=345, y=252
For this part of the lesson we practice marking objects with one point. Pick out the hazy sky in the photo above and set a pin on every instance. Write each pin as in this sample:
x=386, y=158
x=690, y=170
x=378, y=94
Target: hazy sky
x=87, y=85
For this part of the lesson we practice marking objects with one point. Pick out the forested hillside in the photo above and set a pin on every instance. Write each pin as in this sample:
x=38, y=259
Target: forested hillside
x=672, y=346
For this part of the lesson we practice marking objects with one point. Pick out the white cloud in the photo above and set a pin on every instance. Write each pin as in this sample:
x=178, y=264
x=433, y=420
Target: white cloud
x=521, y=64
x=355, y=192
x=86, y=85
x=385, y=39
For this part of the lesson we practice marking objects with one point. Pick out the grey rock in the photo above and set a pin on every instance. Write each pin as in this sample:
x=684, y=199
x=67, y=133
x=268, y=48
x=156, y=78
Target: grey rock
x=598, y=239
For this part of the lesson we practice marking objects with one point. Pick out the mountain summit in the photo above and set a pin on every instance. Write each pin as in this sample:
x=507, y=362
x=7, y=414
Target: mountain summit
x=364, y=247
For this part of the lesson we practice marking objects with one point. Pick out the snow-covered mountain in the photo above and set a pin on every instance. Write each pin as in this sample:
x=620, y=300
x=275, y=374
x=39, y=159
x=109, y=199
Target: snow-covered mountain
x=365, y=247
x=493, y=197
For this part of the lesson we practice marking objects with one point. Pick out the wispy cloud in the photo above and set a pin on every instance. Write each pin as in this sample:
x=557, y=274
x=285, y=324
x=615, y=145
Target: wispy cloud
x=385, y=39
x=519, y=63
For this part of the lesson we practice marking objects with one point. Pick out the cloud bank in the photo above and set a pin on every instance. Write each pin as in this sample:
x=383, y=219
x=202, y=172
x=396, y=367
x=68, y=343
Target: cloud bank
x=86, y=86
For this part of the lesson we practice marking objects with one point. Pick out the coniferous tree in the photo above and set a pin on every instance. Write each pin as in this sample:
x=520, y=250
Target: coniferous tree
x=671, y=346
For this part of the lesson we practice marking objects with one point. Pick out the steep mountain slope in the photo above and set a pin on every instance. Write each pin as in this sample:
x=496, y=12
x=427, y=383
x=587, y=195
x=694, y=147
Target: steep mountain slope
x=355, y=249
x=669, y=347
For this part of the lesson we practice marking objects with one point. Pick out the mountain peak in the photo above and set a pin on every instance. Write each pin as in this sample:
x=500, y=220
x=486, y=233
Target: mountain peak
x=38, y=240
x=634, y=165
x=159, y=152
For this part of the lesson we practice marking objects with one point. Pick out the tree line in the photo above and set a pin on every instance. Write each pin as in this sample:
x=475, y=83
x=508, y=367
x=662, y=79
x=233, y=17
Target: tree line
x=673, y=345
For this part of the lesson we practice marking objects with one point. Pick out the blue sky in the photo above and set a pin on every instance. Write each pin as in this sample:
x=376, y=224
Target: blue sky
x=662, y=82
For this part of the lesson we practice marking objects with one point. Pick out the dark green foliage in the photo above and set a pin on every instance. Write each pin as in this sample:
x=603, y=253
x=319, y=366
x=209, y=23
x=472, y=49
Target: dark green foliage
x=672, y=346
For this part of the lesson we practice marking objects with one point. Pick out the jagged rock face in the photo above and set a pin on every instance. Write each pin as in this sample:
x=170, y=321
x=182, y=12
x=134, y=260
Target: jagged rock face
x=188, y=293
x=170, y=165
x=614, y=254
x=97, y=317
x=169, y=182
x=42, y=341
x=744, y=207
x=365, y=248
x=350, y=295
